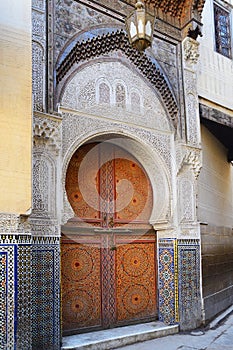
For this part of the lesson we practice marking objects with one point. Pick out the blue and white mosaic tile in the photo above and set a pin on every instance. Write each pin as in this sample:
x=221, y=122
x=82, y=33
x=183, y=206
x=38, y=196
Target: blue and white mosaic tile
x=189, y=282
x=8, y=290
x=46, y=294
x=167, y=281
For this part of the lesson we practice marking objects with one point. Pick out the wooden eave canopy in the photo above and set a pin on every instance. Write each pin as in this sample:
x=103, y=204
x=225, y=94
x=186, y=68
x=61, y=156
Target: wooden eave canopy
x=176, y=12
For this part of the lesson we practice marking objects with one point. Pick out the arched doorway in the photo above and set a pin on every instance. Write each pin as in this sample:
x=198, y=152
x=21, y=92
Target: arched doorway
x=108, y=248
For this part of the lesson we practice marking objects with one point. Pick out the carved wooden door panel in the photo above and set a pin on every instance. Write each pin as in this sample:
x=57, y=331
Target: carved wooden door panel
x=108, y=248
x=135, y=280
x=81, y=285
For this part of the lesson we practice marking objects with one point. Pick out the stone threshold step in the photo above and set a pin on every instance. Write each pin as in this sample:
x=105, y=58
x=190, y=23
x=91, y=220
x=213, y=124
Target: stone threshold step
x=115, y=338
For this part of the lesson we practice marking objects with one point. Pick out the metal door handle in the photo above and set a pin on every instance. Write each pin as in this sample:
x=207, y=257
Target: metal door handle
x=111, y=222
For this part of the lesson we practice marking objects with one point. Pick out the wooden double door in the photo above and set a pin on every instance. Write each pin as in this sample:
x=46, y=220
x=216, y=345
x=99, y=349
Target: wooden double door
x=108, y=249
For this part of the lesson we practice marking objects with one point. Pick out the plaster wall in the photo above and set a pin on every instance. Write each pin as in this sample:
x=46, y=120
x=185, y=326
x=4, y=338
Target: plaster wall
x=215, y=212
x=215, y=189
x=215, y=71
x=15, y=114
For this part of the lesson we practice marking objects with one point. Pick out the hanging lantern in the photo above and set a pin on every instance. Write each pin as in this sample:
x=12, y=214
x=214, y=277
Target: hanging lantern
x=140, y=27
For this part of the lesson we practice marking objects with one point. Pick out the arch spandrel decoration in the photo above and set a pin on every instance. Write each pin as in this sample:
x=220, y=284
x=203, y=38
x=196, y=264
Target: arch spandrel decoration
x=108, y=43
x=85, y=93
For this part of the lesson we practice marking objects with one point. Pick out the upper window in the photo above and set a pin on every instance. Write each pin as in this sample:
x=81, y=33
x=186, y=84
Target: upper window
x=222, y=31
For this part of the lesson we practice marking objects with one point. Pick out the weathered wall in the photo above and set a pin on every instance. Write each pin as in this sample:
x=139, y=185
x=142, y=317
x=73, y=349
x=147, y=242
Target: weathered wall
x=215, y=212
x=15, y=117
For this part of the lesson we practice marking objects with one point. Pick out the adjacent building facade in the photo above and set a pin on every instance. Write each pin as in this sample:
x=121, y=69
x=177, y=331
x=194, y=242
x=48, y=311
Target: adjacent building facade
x=129, y=217
x=215, y=181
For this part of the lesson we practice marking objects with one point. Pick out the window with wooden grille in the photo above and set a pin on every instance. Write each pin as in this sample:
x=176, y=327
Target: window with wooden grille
x=222, y=31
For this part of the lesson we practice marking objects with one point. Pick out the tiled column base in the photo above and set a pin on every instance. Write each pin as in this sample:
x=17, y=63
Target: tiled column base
x=29, y=292
x=46, y=293
x=179, y=282
x=15, y=295
x=190, y=310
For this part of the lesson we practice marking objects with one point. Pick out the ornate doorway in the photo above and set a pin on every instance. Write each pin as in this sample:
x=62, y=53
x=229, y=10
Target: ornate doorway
x=108, y=248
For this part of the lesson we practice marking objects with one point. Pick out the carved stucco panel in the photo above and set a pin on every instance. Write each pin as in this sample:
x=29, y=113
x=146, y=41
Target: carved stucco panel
x=186, y=200
x=9, y=223
x=44, y=187
x=14, y=223
x=71, y=18
x=193, y=157
x=44, y=227
x=38, y=76
x=46, y=163
x=189, y=162
x=40, y=186
x=192, y=119
x=187, y=197
x=40, y=4
x=82, y=93
x=38, y=53
x=78, y=126
x=38, y=25
x=166, y=54
x=190, y=57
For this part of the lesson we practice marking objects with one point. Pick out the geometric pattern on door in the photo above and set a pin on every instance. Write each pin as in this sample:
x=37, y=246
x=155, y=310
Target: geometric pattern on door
x=105, y=185
x=104, y=287
x=81, y=297
x=109, y=260
x=135, y=278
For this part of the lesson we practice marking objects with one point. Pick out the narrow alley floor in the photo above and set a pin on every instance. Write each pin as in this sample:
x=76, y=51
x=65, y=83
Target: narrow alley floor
x=219, y=337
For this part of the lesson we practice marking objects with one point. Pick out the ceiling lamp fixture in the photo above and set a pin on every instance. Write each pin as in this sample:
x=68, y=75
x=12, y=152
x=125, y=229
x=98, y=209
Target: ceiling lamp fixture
x=140, y=27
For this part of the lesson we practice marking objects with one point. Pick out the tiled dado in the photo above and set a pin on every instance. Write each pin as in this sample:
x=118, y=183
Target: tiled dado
x=7, y=297
x=179, y=282
x=45, y=293
x=14, y=292
x=168, y=293
x=188, y=252
x=29, y=292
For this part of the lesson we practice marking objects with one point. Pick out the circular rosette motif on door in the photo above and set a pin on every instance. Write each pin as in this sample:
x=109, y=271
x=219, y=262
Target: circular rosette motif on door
x=135, y=272
x=79, y=264
x=81, y=286
x=135, y=262
x=136, y=299
x=107, y=187
x=79, y=307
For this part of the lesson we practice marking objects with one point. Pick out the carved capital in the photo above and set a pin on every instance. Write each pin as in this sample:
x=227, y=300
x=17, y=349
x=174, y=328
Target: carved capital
x=193, y=158
x=189, y=156
x=46, y=133
x=191, y=50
